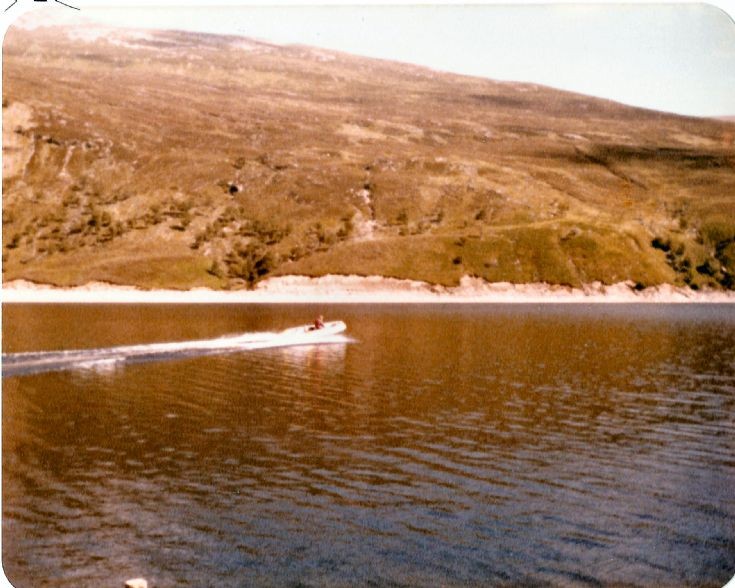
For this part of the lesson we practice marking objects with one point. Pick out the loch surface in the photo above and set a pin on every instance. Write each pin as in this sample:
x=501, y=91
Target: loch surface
x=436, y=445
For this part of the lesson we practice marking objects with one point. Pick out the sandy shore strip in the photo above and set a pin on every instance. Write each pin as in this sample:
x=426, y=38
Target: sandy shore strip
x=335, y=289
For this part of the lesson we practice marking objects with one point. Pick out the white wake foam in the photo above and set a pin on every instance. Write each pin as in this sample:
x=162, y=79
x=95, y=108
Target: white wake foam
x=35, y=362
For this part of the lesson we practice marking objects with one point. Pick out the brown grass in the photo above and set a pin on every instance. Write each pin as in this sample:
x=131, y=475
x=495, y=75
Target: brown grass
x=184, y=160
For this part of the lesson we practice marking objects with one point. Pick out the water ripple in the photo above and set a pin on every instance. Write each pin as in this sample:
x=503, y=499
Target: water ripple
x=576, y=449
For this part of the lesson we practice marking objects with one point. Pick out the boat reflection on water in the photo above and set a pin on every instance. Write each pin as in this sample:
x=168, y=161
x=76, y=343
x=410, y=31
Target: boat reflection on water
x=319, y=355
x=314, y=363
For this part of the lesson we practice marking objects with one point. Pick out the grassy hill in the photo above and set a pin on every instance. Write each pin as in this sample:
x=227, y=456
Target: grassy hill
x=172, y=159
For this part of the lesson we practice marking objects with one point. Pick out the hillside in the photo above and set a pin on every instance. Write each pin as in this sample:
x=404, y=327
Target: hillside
x=172, y=159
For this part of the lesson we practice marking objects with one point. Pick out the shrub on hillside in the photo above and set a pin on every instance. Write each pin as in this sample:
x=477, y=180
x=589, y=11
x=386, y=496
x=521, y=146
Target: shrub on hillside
x=718, y=231
x=662, y=244
x=250, y=262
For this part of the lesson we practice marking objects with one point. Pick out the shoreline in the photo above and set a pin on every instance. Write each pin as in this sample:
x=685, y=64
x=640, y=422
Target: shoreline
x=336, y=289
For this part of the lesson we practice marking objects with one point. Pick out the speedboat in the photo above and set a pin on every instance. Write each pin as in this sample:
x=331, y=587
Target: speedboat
x=311, y=332
x=303, y=335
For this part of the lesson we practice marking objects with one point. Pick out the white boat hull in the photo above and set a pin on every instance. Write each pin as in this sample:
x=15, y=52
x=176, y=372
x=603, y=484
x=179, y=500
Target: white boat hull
x=308, y=331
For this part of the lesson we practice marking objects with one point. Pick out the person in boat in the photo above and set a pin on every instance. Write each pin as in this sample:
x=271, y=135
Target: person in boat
x=318, y=323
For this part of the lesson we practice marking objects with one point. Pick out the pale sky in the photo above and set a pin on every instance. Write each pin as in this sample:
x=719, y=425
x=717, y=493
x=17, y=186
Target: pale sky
x=671, y=57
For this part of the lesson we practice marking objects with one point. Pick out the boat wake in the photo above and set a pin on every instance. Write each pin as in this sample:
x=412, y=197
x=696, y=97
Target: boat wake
x=16, y=364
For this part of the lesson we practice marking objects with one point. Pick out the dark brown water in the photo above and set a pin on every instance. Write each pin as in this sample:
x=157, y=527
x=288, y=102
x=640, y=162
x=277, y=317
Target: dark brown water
x=444, y=445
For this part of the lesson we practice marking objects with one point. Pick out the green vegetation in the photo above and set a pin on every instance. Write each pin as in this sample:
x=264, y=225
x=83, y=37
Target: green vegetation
x=182, y=160
x=708, y=260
